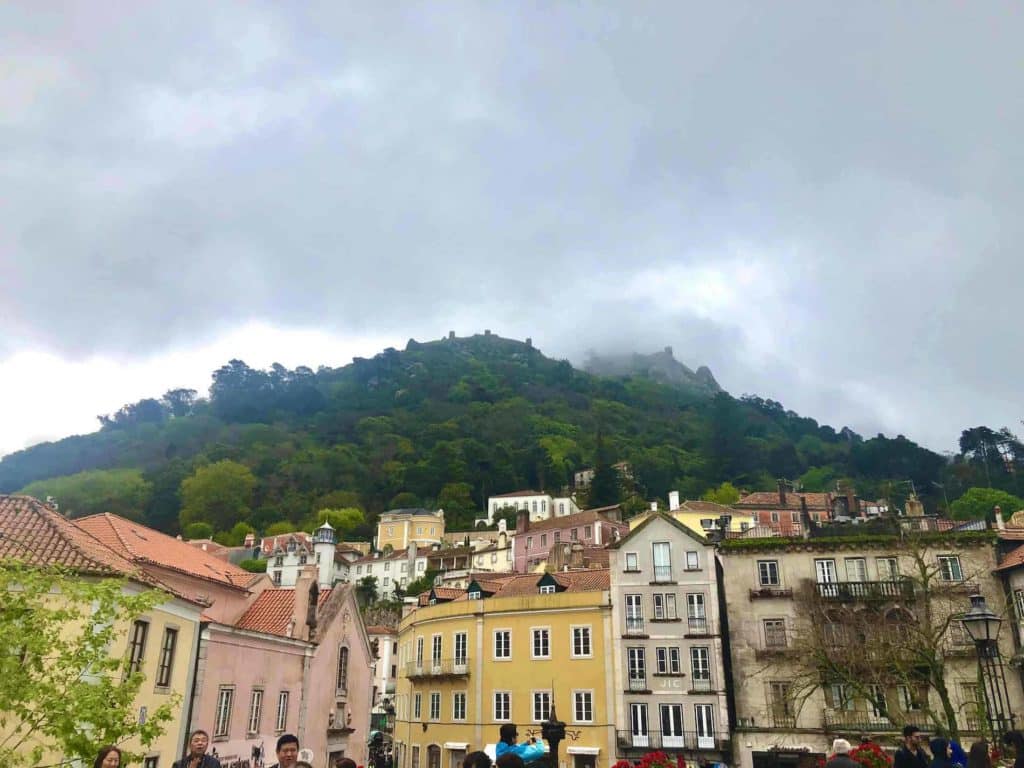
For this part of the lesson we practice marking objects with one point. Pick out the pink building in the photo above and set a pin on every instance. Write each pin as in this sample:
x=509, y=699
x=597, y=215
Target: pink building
x=590, y=528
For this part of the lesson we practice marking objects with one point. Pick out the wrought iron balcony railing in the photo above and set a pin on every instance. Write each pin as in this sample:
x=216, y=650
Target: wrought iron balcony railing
x=866, y=591
x=437, y=668
x=688, y=740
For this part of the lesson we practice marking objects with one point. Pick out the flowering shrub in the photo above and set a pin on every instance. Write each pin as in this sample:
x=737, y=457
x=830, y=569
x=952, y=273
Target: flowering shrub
x=656, y=760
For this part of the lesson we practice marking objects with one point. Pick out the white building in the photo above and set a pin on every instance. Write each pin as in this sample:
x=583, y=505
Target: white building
x=391, y=570
x=288, y=553
x=541, y=506
x=386, y=667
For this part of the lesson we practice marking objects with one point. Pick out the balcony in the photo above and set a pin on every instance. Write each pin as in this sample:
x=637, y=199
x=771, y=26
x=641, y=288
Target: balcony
x=635, y=625
x=438, y=668
x=866, y=591
x=699, y=626
x=767, y=593
x=662, y=574
x=701, y=685
x=776, y=643
x=844, y=720
x=688, y=740
x=636, y=683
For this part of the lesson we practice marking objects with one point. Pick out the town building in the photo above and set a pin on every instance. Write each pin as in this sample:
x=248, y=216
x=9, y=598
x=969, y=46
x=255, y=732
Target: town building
x=788, y=513
x=829, y=637
x=591, y=528
x=670, y=677
x=508, y=649
x=705, y=518
x=162, y=643
x=583, y=477
x=538, y=504
x=394, y=569
x=398, y=528
x=292, y=553
x=384, y=640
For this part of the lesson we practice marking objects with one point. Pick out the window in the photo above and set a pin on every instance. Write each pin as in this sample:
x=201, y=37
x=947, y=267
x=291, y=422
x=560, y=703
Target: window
x=255, y=710
x=277, y=578
x=458, y=706
x=279, y=561
x=435, y=705
x=561, y=507
x=634, y=613
x=417, y=705
x=225, y=697
x=910, y=698
x=474, y=595
x=581, y=641
x=700, y=667
x=502, y=705
x=541, y=706
x=1018, y=599
x=342, y=669
x=460, y=649
x=415, y=759
x=405, y=567
x=387, y=581
x=661, y=660
x=558, y=536
x=583, y=706
x=420, y=565
x=303, y=559
x=419, y=651
x=534, y=505
x=768, y=573
x=494, y=557
x=166, y=666
x=137, y=646
x=675, y=667
x=775, y=633
x=631, y=562
x=692, y=561
x=696, y=617
x=949, y=568
x=664, y=605
x=419, y=530
x=503, y=644
x=547, y=589
x=435, y=650
x=529, y=542
x=838, y=696
x=794, y=517
x=705, y=726
x=541, y=644
x=574, y=534
x=780, y=695
x=387, y=565
x=671, y=725
x=543, y=505
x=888, y=569
x=879, y=706
x=359, y=569
x=151, y=762
x=282, y=711
x=856, y=569
x=391, y=530
x=637, y=664
x=588, y=532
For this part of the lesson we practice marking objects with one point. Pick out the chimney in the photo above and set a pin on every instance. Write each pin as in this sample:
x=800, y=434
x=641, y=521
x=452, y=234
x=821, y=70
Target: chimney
x=673, y=500
x=852, y=503
x=303, y=583
x=502, y=539
x=914, y=507
x=576, y=556
x=805, y=517
x=451, y=334
x=522, y=521
x=782, y=492
x=250, y=540
x=487, y=331
x=1000, y=525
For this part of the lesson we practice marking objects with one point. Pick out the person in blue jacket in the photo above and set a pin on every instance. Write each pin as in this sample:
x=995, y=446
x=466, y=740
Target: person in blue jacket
x=528, y=751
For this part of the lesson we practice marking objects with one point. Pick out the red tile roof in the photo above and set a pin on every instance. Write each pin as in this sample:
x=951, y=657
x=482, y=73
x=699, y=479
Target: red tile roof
x=272, y=610
x=585, y=517
x=519, y=493
x=144, y=545
x=377, y=629
x=770, y=500
x=1013, y=560
x=573, y=581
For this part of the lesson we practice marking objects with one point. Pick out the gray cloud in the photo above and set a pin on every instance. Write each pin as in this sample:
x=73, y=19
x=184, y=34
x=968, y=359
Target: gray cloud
x=819, y=202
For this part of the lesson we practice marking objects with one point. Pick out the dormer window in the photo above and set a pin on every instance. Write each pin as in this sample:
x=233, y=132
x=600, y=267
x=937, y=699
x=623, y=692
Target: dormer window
x=432, y=601
x=547, y=589
x=473, y=595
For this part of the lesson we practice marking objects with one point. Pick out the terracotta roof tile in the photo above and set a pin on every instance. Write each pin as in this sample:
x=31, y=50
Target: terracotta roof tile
x=145, y=545
x=518, y=493
x=378, y=629
x=272, y=610
x=770, y=500
x=580, y=518
x=1013, y=560
x=573, y=581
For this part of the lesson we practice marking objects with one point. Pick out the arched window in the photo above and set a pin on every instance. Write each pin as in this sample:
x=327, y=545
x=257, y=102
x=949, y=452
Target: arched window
x=343, y=669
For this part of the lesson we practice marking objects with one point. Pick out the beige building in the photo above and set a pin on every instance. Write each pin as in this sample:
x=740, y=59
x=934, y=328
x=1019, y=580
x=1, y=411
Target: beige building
x=398, y=528
x=669, y=677
x=860, y=605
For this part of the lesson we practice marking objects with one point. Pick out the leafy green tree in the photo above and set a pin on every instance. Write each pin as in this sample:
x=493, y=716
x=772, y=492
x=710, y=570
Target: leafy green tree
x=253, y=566
x=236, y=536
x=606, y=485
x=404, y=500
x=366, y=590
x=344, y=521
x=726, y=493
x=121, y=491
x=220, y=494
x=47, y=703
x=979, y=503
x=456, y=499
x=279, y=528
x=422, y=584
x=197, y=531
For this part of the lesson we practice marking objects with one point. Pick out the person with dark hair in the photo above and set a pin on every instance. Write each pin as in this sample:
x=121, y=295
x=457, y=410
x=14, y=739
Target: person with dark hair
x=287, y=751
x=528, y=751
x=978, y=756
x=198, y=742
x=942, y=753
x=345, y=762
x=477, y=760
x=510, y=760
x=109, y=757
x=910, y=754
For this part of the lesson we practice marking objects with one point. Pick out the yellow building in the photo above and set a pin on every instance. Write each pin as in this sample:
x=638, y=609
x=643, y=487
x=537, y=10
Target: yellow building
x=163, y=643
x=503, y=650
x=701, y=517
x=398, y=528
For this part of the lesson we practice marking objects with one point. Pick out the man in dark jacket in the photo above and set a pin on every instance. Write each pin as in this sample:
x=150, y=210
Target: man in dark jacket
x=197, y=757
x=910, y=754
x=841, y=755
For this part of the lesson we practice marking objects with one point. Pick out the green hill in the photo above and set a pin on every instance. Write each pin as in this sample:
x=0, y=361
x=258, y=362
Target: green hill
x=447, y=422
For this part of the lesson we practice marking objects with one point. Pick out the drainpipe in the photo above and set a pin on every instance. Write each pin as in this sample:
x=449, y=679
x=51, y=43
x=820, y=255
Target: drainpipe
x=194, y=687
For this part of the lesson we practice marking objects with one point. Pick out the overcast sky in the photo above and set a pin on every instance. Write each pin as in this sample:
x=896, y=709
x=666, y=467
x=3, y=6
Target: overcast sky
x=820, y=201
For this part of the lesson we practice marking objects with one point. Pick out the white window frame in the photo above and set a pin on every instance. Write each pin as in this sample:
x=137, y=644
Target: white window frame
x=255, y=710
x=282, y=711
x=583, y=633
x=461, y=656
x=856, y=567
x=547, y=589
x=700, y=668
x=950, y=560
x=417, y=706
x=459, y=697
x=544, y=634
x=225, y=703
x=435, y=706
x=540, y=697
x=632, y=563
x=507, y=633
x=503, y=715
x=436, y=648
x=586, y=698
x=890, y=571
x=692, y=560
x=419, y=652
x=764, y=569
x=665, y=548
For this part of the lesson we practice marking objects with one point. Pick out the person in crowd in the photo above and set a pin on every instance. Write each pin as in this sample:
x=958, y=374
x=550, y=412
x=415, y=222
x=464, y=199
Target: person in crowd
x=942, y=753
x=510, y=760
x=198, y=743
x=302, y=764
x=979, y=755
x=958, y=756
x=109, y=757
x=911, y=754
x=528, y=751
x=841, y=755
x=287, y=752
x=1015, y=739
x=477, y=760
x=345, y=762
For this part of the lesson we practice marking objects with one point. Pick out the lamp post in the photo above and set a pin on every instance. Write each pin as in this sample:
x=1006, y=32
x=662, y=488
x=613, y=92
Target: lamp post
x=552, y=731
x=983, y=627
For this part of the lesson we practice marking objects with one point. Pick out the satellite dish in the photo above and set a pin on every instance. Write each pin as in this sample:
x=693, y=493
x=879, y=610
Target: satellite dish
x=306, y=755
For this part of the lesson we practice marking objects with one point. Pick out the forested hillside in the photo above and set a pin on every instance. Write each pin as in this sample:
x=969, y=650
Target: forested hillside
x=449, y=423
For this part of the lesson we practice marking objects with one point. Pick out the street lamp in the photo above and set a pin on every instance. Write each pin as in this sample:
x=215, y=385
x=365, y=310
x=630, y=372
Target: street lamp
x=983, y=627
x=552, y=731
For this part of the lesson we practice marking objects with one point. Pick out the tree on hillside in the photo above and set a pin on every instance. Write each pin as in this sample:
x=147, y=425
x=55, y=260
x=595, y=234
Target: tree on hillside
x=404, y=500
x=456, y=499
x=980, y=503
x=726, y=494
x=344, y=521
x=606, y=485
x=366, y=590
x=219, y=494
x=47, y=703
x=197, y=531
x=236, y=536
x=121, y=491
